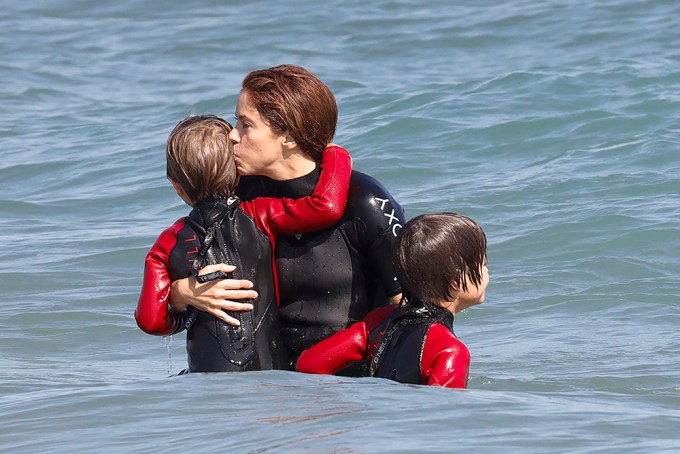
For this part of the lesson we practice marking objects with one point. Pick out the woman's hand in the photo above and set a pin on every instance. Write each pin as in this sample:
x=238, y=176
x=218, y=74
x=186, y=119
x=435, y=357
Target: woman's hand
x=213, y=297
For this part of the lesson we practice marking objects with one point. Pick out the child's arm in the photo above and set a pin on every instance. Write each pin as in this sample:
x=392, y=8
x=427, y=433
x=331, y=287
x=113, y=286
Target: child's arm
x=446, y=360
x=152, y=308
x=315, y=212
x=335, y=352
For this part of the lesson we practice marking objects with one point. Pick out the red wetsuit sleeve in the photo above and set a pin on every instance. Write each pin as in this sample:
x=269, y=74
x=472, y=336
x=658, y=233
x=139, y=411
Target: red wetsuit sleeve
x=446, y=360
x=152, y=308
x=343, y=348
x=332, y=354
x=318, y=211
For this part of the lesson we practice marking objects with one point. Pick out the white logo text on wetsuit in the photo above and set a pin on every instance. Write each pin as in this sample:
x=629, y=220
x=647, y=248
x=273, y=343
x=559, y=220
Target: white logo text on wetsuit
x=392, y=219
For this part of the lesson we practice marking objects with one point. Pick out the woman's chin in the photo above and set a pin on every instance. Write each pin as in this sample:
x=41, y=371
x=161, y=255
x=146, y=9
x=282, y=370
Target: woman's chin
x=243, y=171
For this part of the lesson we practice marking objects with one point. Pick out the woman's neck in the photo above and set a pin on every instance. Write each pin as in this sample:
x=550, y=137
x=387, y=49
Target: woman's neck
x=263, y=186
x=292, y=165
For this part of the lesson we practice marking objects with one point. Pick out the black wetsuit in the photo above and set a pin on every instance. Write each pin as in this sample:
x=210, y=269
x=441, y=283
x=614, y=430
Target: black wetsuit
x=217, y=231
x=399, y=342
x=332, y=278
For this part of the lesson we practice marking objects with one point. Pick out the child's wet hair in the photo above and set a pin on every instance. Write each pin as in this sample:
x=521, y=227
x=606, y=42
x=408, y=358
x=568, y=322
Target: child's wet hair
x=200, y=157
x=433, y=251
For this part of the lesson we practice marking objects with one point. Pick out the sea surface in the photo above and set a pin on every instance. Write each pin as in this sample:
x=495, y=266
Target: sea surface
x=555, y=124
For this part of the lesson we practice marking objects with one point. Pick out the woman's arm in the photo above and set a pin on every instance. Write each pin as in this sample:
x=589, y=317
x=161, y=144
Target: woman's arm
x=379, y=219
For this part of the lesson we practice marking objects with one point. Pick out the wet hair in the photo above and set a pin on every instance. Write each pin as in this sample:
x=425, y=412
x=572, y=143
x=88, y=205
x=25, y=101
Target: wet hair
x=200, y=157
x=295, y=102
x=436, y=255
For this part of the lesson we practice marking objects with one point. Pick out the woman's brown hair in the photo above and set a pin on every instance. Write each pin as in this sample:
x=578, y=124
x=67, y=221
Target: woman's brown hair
x=294, y=101
x=200, y=157
x=435, y=255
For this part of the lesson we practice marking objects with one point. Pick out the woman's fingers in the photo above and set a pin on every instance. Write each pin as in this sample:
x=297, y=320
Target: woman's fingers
x=218, y=307
x=216, y=296
x=234, y=291
x=226, y=318
x=217, y=267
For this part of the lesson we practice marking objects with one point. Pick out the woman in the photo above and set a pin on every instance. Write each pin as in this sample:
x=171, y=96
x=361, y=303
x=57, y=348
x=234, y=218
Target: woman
x=328, y=279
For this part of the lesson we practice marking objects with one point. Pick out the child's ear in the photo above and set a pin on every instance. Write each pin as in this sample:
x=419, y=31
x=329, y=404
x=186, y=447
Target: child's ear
x=454, y=288
x=180, y=191
x=178, y=188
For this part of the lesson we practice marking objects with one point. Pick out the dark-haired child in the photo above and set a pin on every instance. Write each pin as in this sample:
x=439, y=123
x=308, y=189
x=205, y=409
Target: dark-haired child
x=440, y=261
x=222, y=229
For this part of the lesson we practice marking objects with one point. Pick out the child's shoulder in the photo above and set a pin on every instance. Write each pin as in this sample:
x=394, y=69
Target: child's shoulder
x=176, y=226
x=171, y=232
x=444, y=338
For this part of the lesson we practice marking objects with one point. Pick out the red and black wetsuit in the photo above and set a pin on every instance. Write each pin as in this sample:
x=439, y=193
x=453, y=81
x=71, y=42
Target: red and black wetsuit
x=332, y=278
x=400, y=343
x=220, y=230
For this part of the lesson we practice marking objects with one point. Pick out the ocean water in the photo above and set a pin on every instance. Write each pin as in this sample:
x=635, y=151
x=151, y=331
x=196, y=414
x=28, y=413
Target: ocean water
x=554, y=124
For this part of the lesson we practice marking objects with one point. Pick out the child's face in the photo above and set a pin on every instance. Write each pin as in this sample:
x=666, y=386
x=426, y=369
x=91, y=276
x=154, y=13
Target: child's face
x=474, y=294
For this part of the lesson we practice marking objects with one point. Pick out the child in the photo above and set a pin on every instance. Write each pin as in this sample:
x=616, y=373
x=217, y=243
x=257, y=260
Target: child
x=221, y=229
x=440, y=261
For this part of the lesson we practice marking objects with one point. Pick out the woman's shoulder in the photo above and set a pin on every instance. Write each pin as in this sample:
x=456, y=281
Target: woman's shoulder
x=371, y=203
x=363, y=187
x=363, y=183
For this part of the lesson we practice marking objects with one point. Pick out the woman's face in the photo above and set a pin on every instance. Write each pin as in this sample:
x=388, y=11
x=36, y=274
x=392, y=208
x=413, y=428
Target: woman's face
x=257, y=149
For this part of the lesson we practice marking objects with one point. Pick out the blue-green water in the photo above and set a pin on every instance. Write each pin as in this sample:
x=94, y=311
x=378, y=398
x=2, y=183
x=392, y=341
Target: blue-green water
x=555, y=124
